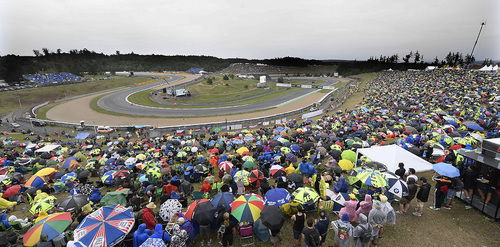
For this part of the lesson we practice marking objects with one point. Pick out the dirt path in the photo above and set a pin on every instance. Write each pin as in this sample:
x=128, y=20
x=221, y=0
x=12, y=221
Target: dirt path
x=79, y=109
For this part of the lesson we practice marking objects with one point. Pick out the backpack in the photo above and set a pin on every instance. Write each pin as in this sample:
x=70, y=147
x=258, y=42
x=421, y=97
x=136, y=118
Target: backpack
x=366, y=235
x=343, y=233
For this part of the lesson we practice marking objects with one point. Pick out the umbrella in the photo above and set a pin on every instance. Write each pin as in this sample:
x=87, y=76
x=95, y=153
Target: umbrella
x=446, y=169
x=277, y=170
x=295, y=177
x=349, y=155
x=11, y=191
x=223, y=199
x=105, y=227
x=372, y=178
x=204, y=213
x=44, y=204
x=73, y=203
x=241, y=150
x=397, y=187
x=154, y=171
x=291, y=157
x=305, y=195
x=190, y=210
x=107, y=178
x=346, y=165
x=115, y=197
x=249, y=164
x=169, y=208
x=70, y=162
x=376, y=166
x=242, y=176
x=121, y=174
x=278, y=197
x=45, y=171
x=52, y=225
x=339, y=199
x=181, y=154
x=272, y=217
x=256, y=175
x=473, y=126
x=35, y=181
x=68, y=177
x=226, y=165
x=153, y=242
x=247, y=208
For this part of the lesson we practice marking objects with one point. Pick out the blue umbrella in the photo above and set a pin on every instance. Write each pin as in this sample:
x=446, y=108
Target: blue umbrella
x=277, y=197
x=446, y=169
x=107, y=178
x=105, y=227
x=68, y=176
x=223, y=199
x=67, y=162
x=473, y=126
x=295, y=148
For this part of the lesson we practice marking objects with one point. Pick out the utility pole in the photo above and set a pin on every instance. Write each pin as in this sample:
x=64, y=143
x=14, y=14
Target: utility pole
x=475, y=43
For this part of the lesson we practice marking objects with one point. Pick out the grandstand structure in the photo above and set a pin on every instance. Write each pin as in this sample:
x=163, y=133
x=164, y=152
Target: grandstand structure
x=52, y=78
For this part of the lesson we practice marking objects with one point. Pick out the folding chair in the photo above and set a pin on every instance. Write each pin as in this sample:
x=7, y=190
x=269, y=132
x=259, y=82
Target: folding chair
x=246, y=234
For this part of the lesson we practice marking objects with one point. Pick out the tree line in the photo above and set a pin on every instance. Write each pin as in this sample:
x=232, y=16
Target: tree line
x=12, y=67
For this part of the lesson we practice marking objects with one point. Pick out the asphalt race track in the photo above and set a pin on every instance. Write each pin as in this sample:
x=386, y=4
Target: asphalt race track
x=117, y=102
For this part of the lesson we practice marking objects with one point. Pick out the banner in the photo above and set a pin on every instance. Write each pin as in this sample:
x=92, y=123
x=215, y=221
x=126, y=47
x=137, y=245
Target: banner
x=312, y=114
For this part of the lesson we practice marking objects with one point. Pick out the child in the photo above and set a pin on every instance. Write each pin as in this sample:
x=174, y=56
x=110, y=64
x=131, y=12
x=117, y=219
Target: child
x=422, y=196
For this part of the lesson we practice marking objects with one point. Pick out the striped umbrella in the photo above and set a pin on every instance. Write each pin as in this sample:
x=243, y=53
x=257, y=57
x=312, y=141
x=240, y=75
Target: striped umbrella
x=256, y=175
x=52, y=225
x=247, y=208
x=277, y=170
x=226, y=165
x=372, y=178
x=190, y=210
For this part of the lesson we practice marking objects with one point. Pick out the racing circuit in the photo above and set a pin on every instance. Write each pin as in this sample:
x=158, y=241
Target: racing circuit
x=124, y=113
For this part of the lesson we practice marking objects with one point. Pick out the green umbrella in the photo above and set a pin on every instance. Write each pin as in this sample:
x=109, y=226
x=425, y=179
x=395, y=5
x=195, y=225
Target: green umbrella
x=249, y=164
x=349, y=155
x=44, y=204
x=114, y=198
x=305, y=195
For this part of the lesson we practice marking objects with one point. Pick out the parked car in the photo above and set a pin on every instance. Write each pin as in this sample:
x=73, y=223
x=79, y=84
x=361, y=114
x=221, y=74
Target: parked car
x=39, y=123
x=104, y=129
x=15, y=125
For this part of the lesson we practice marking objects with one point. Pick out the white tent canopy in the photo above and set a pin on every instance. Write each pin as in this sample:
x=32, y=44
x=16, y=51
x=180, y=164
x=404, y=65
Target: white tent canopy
x=47, y=148
x=392, y=155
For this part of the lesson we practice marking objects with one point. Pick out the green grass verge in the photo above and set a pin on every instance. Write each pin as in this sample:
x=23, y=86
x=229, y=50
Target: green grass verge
x=41, y=113
x=9, y=101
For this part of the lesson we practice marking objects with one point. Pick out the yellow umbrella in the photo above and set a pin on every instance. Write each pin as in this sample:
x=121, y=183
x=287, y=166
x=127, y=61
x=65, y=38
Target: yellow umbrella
x=45, y=171
x=346, y=165
x=241, y=150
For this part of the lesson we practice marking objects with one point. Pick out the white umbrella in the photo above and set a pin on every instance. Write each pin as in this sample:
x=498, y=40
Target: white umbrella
x=169, y=208
x=130, y=161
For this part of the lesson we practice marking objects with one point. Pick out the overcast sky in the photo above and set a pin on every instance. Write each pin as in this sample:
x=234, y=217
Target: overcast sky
x=318, y=29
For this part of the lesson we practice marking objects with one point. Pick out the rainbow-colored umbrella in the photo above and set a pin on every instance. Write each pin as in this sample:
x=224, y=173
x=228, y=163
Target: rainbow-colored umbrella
x=247, y=208
x=53, y=225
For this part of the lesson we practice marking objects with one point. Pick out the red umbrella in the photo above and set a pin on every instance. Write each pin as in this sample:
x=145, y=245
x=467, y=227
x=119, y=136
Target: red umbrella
x=213, y=151
x=121, y=173
x=192, y=207
x=256, y=175
x=12, y=191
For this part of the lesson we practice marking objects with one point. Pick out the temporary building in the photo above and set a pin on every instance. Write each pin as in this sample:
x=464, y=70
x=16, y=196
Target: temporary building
x=48, y=148
x=392, y=155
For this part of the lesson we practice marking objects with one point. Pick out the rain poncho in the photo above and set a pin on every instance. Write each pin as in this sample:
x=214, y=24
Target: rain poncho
x=376, y=217
x=362, y=231
x=343, y=231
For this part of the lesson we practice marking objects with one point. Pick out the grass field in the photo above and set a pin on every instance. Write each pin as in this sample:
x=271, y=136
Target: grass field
x=224, y=90
x=9, y=101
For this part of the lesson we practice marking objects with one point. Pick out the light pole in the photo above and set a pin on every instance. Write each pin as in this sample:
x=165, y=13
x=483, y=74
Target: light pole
x=475, y=43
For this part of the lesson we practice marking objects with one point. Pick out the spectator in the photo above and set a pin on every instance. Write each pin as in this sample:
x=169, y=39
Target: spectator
x=148, y=216
x=343, y=231
x=456, y=185
x=362, y=233
x=442, y=185
x=311, y=235
x=322, y=226
x=298, y=225
x=411, y=174
x=377, y=218
x=401, y=171
x=422, y=196
x=404, y=204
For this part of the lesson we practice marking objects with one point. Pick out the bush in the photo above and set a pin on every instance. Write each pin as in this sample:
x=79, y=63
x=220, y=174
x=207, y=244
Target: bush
x=280, y=79
x=246, y=86
x=210, y=81
x=226, y=77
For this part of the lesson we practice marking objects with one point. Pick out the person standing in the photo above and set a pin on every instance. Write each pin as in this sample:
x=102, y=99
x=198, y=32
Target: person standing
x=343, y=231
x=377, y=218
x=226, y=231
x=322, y=226
x=404, y=204
x=148, y=216
x=298, y=225
x=422, y=196
x=456, y=185
x=401, y=171
x=362, y=232
x=311, y=235
x=442, y=184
